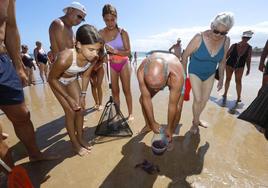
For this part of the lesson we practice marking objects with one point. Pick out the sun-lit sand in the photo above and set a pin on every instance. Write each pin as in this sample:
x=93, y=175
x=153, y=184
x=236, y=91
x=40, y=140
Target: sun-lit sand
x=229, y=153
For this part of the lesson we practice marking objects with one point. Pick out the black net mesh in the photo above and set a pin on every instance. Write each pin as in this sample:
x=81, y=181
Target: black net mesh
x=112, y=122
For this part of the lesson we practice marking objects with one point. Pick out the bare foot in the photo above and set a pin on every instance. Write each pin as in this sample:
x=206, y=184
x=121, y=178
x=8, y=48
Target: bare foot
x=86, y=145
x=44, y=157
x=130, y=117
x=81, y=151
x=100, y=107
x=202, y=124
x=145, y=129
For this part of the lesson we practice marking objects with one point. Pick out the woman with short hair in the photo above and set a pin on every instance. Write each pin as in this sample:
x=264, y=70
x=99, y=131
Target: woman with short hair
x=207, y=49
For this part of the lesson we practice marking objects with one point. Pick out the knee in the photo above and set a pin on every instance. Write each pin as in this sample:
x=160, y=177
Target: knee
x=69, y=113
x=238, y=81
x=126, y=91
x=115, y=92
x=228, y=79
x=79, y=113
x=198, y=101
x=23, y=118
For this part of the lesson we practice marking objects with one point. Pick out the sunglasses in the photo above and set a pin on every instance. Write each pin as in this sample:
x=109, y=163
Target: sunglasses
x=219, y=32
x=80, y=17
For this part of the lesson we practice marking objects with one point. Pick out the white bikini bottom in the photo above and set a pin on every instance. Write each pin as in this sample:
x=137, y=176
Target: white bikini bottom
x=67, y=81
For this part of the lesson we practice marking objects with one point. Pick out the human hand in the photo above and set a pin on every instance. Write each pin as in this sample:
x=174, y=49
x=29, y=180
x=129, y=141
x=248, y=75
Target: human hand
x=261, y=67
x=156, y=128
x=220, y=84
x=82, y=101
x=169, y=133
x=247, y=73
x=23, y=77
x=110, y=49
x=73, y=104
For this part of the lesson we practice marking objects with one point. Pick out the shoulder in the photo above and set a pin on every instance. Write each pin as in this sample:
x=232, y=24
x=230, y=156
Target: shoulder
x=65, y=57
x=101, y=31
x=123, y=31
x=56, y=24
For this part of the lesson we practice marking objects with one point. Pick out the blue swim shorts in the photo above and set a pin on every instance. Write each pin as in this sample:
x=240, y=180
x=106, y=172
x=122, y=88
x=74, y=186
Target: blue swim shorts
x=11, y=91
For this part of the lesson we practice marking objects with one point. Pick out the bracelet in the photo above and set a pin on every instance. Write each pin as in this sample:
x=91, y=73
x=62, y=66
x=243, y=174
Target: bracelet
x=83, y=94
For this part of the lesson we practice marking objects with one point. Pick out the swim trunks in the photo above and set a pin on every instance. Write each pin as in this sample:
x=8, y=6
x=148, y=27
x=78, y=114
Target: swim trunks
x=11, y=91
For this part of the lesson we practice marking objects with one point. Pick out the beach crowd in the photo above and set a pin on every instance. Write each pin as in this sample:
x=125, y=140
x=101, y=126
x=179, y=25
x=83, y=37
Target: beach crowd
x=76, y=60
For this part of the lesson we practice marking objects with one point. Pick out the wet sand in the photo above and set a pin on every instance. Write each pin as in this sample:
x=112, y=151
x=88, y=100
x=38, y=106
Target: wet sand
x=229, y=153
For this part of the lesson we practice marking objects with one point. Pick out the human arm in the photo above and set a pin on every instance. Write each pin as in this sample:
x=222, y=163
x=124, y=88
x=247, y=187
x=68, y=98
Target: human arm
x=57, y=39
x=126, y=43
x=85, y=81
x=176, y=86
x=263, y=57
x=35, y=57
x=12, y=42
x=63, y=62
x=191, y=48
x=146, y=102
x=248, y=60
x=222, y=64
x=171, y=48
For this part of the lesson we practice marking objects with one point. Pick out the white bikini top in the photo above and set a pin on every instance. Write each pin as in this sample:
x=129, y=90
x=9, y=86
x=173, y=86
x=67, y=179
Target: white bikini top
x=74, y=68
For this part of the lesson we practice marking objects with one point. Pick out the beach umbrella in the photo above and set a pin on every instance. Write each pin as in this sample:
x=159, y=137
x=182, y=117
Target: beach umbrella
x=17, y=177
x=112, y=123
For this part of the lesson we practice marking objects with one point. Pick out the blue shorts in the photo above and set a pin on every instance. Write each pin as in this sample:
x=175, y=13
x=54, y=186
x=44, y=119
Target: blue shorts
x=11, y=91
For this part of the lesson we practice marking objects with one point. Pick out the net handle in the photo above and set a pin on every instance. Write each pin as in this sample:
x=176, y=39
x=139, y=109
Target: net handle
x=3, y=164
x=109, y=68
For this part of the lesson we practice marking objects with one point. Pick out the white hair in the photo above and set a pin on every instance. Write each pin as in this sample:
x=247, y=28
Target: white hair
x=224, y=18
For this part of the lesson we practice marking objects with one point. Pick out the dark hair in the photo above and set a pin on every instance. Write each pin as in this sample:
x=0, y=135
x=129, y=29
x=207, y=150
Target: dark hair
x=88, y=34
x=109, y=9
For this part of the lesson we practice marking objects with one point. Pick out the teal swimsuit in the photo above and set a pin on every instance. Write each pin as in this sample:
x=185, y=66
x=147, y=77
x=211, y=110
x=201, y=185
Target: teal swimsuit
x=202, y=64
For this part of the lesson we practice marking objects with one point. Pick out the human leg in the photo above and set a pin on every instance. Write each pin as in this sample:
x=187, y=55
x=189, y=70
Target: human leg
x=125, y=77
x=69, y=121
x=229, y=73
x=238, y=81
x=115, y=87
x=74, y=91
x=93, y=82
x=41, y=71
x=19, y=115
x=46, y=70
x=196, y=84
x=206, y=91
x=100, y=75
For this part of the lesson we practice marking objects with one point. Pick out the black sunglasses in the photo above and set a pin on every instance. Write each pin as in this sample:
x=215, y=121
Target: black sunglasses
x=80, y=17
x=219, y=32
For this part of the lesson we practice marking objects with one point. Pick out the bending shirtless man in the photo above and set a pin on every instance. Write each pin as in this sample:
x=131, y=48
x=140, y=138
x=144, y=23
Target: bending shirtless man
x=156, y=72
x=60, y=31
x=12, y=80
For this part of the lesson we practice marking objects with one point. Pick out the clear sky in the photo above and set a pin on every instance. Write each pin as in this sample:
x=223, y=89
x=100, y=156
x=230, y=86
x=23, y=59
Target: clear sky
x=151, y=24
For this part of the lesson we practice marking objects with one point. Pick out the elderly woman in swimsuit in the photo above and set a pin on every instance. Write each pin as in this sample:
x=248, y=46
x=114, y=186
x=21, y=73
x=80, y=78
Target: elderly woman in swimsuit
x=117, y=43
x=238, y=56
x=207, y=49
x=65, y=86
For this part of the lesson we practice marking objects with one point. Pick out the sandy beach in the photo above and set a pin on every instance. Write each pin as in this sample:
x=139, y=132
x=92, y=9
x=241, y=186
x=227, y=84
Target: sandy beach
x=229, y=153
